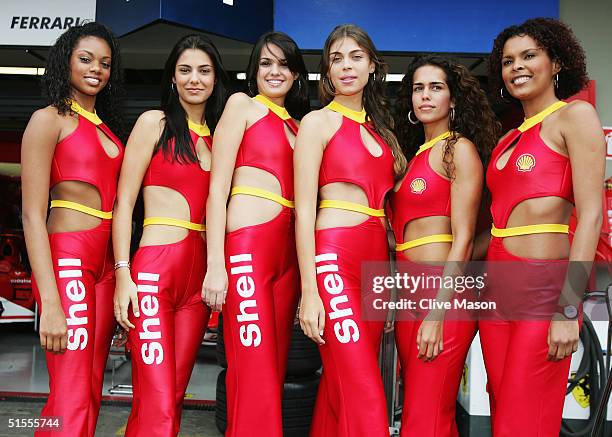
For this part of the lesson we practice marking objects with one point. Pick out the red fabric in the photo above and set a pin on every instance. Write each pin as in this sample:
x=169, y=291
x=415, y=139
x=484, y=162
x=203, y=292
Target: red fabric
x=258, y=317
x=544, y=173
x=351, y=400
x=265, y=146
x=346, y=159
x=168, y=332
x=423, y=193
x=81, y=157
x=189, y=179
x=83, y=266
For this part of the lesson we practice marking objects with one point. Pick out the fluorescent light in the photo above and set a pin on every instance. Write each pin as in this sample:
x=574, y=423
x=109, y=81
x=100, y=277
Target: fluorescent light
x=23, y=71
x=394, y=77
x=314, y=76
x=241, y=76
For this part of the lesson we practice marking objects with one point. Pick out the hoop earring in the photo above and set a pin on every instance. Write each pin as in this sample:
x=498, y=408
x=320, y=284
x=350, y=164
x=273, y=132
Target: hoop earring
x=410, y=118
x=452, y=115
x=109, y=86
x=299, y=82
x=556, y=81
x=249, y=88
x=501, y=93
x=172, y=87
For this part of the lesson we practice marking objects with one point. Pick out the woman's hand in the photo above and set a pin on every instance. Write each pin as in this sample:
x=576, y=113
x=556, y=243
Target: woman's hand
x=53, y=329
x=125, y=293
x=563, y=336
x=430, y=338
x=214, y=288
x=312, y=317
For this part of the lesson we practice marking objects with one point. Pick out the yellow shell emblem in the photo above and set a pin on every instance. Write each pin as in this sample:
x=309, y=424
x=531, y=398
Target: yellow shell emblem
x=418, y=185
x=525, y=162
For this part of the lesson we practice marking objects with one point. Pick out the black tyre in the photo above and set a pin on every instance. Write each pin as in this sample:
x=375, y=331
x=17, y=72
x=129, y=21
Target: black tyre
x=304, y=358
x=298, y=404
x=220, y=351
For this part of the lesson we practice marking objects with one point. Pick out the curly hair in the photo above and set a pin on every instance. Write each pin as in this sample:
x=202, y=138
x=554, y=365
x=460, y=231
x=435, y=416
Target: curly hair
x=55, y=82
x=561, y=45
x=374, y=99
x=473, y=117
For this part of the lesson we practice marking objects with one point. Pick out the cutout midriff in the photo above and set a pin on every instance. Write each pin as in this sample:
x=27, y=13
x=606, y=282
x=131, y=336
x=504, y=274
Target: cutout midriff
x=70, y=220
x=424, y=227
x=164, y=202
x=244, y=210
x=334, y=218
x=549, y=209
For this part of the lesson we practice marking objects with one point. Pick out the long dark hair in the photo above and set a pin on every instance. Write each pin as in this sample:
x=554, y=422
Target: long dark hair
x=296, y=101
x=560, y=44
x=473, y=117
x=55, y=82
x=374, y=100
x=176, y=128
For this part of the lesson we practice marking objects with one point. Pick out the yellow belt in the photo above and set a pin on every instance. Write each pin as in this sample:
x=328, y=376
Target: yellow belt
x=437, y=238
x=264, y=194
x=530, y=229
x=81, y=208
x=174, y=222
x=351, y=206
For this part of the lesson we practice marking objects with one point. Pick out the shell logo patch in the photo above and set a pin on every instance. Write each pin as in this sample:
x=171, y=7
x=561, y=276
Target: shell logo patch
x=525, y=162
x=418, y=185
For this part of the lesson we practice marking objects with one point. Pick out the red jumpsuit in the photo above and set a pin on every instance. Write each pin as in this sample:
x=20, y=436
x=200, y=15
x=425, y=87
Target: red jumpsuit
x=173, y=318
x=83, y=266
x=351, y=399
x=262, y=295
x=430, y=388
x=526, y=391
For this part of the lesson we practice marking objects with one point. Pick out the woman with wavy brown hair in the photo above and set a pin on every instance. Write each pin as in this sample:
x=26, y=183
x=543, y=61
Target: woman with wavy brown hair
x=445, y=123
x=534, y=188
x=347, y=157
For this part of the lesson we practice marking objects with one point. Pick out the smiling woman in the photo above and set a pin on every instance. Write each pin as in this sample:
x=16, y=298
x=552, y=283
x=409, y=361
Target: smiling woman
x=68, y=150
x=253, y=237
x=538, y=63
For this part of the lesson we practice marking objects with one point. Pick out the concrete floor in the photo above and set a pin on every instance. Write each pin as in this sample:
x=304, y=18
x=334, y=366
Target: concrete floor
x=113, y=418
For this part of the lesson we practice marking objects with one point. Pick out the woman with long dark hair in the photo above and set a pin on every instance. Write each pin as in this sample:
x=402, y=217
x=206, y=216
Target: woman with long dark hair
x=445, y=124
x=251, y=237
x=72, y=156
x=538, y=172
x=168, y=154
x=347, y=158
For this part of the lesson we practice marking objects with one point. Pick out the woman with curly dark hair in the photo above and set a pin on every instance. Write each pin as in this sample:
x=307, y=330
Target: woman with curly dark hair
x=168, y=156
x=251, y=235
x=347, y=158
x=68, y=150
x=537, y=173
x=444, y=122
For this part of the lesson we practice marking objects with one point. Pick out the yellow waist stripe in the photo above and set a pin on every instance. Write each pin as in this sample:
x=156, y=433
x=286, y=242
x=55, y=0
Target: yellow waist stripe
x=81, y=208
x=530, y=229
x=174, y=222
x=437, y=238
x=264, y=194
x=351, y=206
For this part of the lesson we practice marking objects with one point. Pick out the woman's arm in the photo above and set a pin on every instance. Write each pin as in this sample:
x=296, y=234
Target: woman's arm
x=466, y=190
x=581, y=130
x=309, y=146
x=138, y=152
x=37, y=148
x=226, y=142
